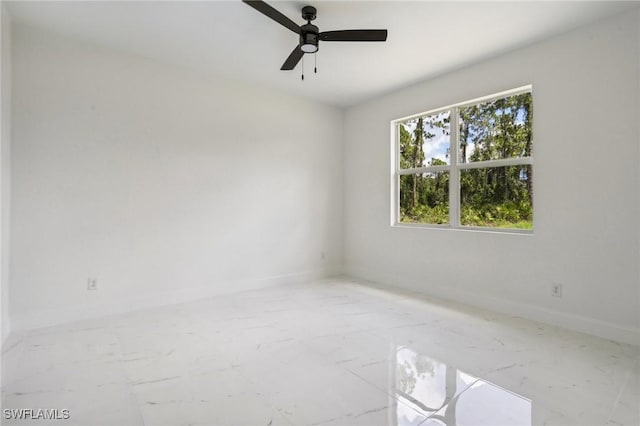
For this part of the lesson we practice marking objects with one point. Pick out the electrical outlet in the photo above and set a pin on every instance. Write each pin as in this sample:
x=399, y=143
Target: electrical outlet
x=556, y=289
x=92, y=284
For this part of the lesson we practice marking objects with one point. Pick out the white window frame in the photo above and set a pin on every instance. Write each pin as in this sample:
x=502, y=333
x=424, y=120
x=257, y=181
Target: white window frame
x=454, y=168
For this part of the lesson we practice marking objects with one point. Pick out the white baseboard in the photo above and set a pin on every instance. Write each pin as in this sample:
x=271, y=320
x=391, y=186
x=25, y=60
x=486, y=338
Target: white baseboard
x=134, y=302
x=595, y=327
x=607, y=330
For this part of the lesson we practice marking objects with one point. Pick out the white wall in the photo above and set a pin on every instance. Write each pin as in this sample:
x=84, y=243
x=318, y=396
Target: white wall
x=5, y=169
x=586, y=191
x=164, y=184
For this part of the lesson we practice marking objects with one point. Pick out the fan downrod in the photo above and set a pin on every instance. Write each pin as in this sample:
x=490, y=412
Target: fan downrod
x=308, y=13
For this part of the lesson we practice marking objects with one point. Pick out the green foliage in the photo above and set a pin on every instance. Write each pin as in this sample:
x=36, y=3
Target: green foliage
x=506, y=215
x=424, y=214
x=407, y=148
x=497, y=129
x=432, y=198
x=499, y=197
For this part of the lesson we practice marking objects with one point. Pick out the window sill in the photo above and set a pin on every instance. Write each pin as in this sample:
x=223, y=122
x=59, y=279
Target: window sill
x=478, y=229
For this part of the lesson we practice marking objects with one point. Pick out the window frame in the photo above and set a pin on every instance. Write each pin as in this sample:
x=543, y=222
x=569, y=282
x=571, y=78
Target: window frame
x=453, y=168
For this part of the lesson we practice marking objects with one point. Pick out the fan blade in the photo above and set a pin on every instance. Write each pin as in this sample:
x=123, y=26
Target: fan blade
x=354, y=35
x=293, y=59
x=272, y=13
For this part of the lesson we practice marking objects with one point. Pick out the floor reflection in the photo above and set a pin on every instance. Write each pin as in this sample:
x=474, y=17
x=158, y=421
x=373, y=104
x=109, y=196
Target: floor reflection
x=448, y=396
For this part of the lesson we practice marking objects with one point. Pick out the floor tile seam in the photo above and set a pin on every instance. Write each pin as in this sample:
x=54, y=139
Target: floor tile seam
x=139, y=404
x=623, y=388
x=398, y=400
x=351, y=416
x=344, y=333
x=129, y=381
x=263, y=397
x=454, y=398
x=21, y=359
x=387, y=393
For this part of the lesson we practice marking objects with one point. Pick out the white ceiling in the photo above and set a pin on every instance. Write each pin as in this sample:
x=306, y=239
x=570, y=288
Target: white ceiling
x=229, y=38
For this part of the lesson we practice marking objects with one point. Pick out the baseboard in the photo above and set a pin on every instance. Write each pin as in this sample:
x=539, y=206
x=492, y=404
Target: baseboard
x=595, y=327
x=607, y=330
x=33, y=320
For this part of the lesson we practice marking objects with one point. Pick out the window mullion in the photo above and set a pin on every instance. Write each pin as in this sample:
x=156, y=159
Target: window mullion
x=503, y=162
x=427, y=169
x=454, y=175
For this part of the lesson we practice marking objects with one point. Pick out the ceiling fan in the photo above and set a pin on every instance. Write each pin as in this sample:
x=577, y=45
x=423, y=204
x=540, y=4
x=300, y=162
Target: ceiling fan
x=310, y=35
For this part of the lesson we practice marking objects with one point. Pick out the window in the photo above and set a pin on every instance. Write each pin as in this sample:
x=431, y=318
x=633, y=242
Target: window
x=466, y=166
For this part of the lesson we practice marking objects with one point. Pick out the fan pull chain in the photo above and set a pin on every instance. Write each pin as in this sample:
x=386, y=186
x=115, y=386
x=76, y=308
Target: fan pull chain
x=315, y=63
x=302, y=68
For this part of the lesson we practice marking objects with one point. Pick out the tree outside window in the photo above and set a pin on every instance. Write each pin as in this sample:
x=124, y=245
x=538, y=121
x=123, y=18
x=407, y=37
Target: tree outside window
x=469, y=165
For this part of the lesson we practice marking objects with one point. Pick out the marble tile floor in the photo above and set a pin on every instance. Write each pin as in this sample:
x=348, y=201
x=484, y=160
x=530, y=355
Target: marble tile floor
x=332, y=352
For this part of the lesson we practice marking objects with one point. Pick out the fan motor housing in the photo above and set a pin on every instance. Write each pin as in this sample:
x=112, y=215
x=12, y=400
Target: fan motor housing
x=309, y=35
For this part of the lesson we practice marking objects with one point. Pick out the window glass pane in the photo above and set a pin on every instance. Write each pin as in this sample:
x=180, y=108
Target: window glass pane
x=499, y=197
x=496, y=129
x=424, y=198
x=424, y=141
